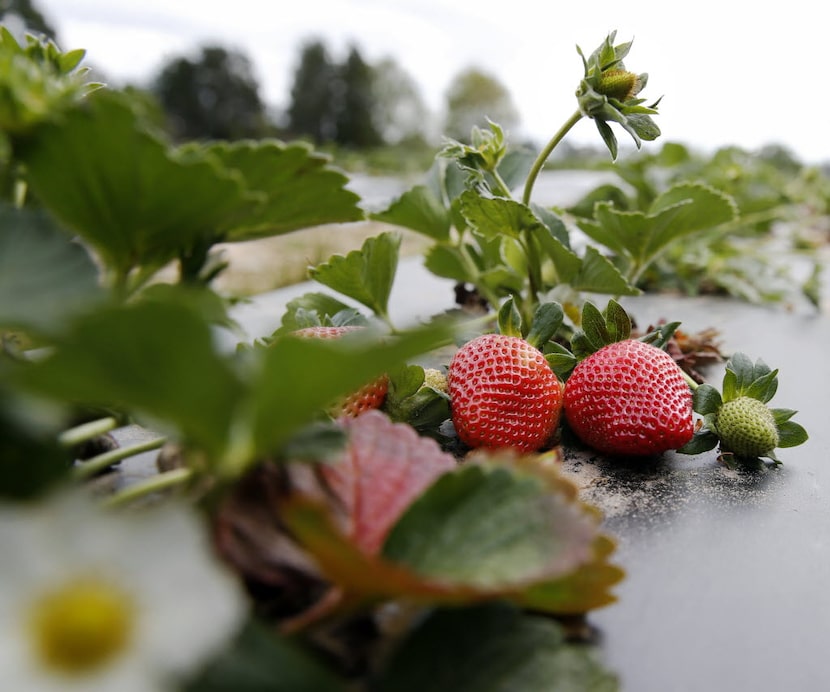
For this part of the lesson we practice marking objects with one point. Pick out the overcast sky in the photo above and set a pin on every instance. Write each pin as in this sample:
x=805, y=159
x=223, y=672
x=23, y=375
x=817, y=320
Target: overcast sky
x=729, y=73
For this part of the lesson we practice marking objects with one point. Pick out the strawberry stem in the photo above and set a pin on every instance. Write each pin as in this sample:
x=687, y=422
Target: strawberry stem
x=107, y=459
x=157, y=483
x=689, y=380
x=539, y=163
x=87, y=431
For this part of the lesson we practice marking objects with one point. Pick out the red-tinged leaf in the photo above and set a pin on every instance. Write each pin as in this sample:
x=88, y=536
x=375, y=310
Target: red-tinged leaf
x=566, y=573
x=383, y=469
x=585, y=589
x=364, y=578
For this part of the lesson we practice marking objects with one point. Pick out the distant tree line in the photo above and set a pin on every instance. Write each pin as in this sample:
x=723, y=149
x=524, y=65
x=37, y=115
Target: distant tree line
x=24, y=14
x=352, y=103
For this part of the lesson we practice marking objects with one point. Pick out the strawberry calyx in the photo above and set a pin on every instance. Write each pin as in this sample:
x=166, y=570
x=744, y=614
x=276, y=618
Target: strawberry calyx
x=598, y=329
x=738, y=418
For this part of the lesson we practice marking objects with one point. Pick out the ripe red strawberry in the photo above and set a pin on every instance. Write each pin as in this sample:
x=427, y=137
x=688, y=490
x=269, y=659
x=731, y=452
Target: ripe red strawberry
x=370, y=396
x=503, y=394
x=629, y=398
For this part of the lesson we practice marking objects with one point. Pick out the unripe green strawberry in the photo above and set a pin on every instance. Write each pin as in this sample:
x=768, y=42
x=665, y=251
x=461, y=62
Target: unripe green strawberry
x=747, y=428
x=503, y=394
x=629, y=398
x=370, y=396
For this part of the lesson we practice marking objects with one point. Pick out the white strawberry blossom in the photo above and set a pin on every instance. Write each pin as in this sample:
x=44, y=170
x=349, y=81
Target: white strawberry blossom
x=95, y=600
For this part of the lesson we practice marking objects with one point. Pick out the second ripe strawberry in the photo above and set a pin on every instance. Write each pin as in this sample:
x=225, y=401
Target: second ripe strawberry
x=629, y=399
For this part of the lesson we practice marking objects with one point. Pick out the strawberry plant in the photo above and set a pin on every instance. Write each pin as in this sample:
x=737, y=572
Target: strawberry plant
x=776, y=203
x=738, y=419
x=379, y=539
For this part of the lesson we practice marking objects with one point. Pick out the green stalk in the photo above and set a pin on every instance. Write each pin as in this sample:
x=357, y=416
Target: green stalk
x=533, y=275
x=19, y=193
x=539, y=163
x=87, y=431
x=500, y=182
x=103, y=461
x=162, y=481
x=689, y=381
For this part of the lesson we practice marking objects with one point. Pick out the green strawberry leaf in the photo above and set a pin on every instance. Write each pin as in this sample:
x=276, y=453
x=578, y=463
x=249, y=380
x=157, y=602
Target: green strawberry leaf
x=45, y=277
x=365, y=275
x=405, y=381
x=491, y=648
x=598, y=329
x=419, y=405
x=660, y=336
x=683, y=209
x=546, y=321
x=706, y=399
x=300, y=309
x=418, y=209
x=560, y=359
x=31, y=459
x=764, y=387
x=582, y=590
x=509, y=319
x=791, y=434
x=597, y=274
x=553, y=223
x=496, y=216
x=617, y=321
x=515, y=166
x=594, y=327
x=565, y=261
x=690, y=207
x=156, y=359
x=702, y=441
x=448, y=262
x=581, y=346
x=742, y=374
x=603, y=193
x=258, y=660
x=502, y=280
x=141, y=214
x=489, y=528
x=782, y=415
x=299, y=188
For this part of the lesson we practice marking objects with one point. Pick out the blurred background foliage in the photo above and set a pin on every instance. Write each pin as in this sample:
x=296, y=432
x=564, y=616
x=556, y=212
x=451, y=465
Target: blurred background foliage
x=371, y=118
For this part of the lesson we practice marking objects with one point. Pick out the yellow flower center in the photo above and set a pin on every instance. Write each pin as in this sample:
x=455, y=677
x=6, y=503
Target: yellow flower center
x=81, y=626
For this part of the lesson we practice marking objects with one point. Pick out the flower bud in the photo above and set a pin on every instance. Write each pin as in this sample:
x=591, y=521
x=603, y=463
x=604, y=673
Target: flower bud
x=619, y=84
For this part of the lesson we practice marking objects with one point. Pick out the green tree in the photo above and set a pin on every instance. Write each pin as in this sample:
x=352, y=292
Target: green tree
x=400, y=112
x=312, y=110
x=213, y=97
x=354, y=109
x=25, y=12
x=474, y=97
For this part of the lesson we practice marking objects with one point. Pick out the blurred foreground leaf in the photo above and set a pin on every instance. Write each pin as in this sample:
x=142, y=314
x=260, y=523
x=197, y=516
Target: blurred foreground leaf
x=492, y=648
x=45, y=277
x=259, y=661
x=154, y=359
x=141, y=203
